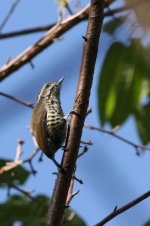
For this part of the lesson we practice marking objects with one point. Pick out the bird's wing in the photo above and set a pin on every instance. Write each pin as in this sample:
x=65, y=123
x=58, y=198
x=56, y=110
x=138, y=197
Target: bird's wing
x=39, y=128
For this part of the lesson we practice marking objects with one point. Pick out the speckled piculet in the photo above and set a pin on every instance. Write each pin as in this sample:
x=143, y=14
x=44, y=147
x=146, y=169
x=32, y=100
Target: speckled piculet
x=48, y=121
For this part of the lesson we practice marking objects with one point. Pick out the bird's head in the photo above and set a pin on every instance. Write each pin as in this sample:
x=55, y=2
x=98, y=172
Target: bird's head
x=50, y=89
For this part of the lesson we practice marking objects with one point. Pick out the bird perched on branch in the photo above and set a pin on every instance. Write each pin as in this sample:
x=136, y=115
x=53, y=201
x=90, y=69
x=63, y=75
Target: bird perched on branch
x=48, y=121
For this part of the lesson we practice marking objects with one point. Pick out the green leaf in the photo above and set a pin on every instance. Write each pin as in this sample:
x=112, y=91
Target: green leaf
x=20, y=209
x=16, y=175
x=111, y=26
x=115, y=81
x=143, y=123
x=147, y=224
x=123, y=81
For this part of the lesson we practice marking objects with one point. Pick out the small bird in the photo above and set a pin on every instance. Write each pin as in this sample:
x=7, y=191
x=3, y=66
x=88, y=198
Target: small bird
x=48, y=121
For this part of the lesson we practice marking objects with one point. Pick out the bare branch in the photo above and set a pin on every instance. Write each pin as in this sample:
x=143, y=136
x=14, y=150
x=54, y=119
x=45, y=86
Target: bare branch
x=58, y=200
x=19, y=150
x=86, y=142
x=26, y=193
x=124, y=208
x=85, y=149
x=46, y=41
x=10, y=165
x=13, y=7
x=18, y=100
x=43, y=43
x=26, y=31
x=111, y=132
x=71, y=194
x=39, y=28
x=78, y=180
x=54, y=33
x=36, y=150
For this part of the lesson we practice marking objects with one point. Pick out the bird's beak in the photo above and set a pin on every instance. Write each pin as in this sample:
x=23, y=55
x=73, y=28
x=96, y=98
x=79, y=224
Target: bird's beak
x=60, y=81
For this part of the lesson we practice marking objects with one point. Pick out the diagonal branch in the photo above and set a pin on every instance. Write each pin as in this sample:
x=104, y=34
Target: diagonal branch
x=13, y=7
x=22, y=191
x=111, y=132
x=58, y=200
x=55, y=32
x=26, y=31
x=123, y=209
x=45, y=41
x=20, y=101
x=39, y=28
x=26, y=193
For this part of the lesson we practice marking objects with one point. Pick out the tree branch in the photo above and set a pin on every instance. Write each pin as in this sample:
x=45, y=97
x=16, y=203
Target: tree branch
x=26, y=193
x=111, y=132
x=58, y=200
x=17, y=162
x=53, y=33
x=9, y=14
x=45, y=41
x=18, y=100
x=39, y=28
x=26, y=31
x=22, y=191
x=123, y=209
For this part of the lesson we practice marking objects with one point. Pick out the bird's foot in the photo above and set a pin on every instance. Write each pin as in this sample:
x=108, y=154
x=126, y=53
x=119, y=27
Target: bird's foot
x=66, y=117
x=60, y=168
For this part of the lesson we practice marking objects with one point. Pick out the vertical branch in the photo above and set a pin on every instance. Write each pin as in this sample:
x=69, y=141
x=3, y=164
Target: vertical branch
x=58, y=200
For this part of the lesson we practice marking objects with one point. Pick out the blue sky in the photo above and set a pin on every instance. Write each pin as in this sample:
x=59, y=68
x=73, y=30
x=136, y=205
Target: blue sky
x=111, y=171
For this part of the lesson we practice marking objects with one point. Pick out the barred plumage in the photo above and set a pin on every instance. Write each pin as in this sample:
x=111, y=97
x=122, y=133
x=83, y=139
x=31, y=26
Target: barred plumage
x=48, y=122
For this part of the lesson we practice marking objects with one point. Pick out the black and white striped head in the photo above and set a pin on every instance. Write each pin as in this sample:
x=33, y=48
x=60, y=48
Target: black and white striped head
x=50, y=89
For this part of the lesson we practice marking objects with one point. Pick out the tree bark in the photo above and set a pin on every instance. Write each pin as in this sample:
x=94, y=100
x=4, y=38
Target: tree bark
x=58, y=200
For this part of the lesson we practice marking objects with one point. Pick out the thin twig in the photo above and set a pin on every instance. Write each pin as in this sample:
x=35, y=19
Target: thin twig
x=86, y=142
x=11, y=165
x=9, y=14
x=27, y=31
x=69, y=9
x=73, y=177
x=48, y=27
x=49, y=38
x=43, y=43
x=55, y=32
x=37, y=29
x=22, y=191
x=85, y=149
x=18, y=100
x=26, y=193
x=34, y=153
x=123, y=209
x=71, y=194
x=78, y=180
x=110, y=132
x=19, y=150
